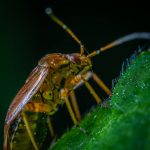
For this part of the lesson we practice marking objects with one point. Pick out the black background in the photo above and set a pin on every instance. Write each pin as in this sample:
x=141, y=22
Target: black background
x=27, y=34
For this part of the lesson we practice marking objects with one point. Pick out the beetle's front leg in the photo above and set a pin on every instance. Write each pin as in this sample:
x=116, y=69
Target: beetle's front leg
x=75, y=105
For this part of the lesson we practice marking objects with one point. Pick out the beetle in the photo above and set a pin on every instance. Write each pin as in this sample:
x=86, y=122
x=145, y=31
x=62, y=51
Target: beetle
x=51, y=83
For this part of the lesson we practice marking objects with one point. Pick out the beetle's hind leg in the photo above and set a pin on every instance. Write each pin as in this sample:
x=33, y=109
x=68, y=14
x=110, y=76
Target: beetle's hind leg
x=29, y=131
x=43, y=108
x=50, y=126
x=36, y=107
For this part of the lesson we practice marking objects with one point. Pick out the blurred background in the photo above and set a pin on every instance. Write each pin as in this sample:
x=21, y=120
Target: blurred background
x=27, y=34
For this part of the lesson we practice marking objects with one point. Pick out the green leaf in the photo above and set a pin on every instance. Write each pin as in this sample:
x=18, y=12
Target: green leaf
x=125, y=124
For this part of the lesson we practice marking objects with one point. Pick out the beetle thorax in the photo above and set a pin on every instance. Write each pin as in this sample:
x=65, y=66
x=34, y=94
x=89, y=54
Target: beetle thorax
x=58, y=60
x=64, y=68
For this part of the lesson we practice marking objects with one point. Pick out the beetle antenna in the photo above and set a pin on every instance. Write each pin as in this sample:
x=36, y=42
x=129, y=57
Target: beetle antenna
x=124, y=39
x=50, y=13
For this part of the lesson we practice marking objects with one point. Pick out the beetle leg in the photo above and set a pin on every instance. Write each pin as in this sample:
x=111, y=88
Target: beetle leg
x=64, y=93
x=50, y=126
x=43, y=108
x=101, y=83
x=29, y=131
x=97, y=79
x=82, y=78
x=92, y=91
x=6, y=136
x=32, y=107
x=75, y=105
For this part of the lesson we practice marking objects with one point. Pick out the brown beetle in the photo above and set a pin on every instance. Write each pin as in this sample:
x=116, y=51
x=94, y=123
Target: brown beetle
x=49, y=85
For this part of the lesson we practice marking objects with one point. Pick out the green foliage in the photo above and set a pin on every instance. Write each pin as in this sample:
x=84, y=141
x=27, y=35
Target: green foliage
x=125, y=124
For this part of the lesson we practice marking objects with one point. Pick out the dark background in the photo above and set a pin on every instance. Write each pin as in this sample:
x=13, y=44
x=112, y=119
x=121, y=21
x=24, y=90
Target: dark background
x=27, y=34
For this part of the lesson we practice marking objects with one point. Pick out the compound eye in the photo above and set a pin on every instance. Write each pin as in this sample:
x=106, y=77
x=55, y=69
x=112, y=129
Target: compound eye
x=48, y=95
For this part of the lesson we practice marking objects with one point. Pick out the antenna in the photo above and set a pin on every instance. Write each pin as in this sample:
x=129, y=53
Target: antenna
x=124, y=39
x=50, y=13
